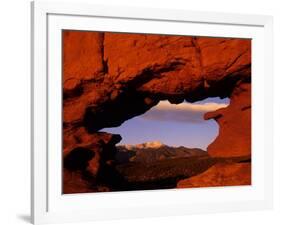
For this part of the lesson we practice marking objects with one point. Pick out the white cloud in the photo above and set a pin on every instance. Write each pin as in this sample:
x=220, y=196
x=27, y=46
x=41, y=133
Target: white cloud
x=185, y=106
x=184, y=112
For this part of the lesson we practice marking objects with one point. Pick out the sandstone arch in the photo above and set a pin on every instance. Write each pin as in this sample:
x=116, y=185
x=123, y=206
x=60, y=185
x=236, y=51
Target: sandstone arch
x=109, y=78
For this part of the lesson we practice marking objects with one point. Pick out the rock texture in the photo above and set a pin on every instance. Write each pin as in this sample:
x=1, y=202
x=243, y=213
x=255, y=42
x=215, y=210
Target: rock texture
x=139, y=70
x=234, y=137
x=221, y=174
x=109, y=78
x=87, y=157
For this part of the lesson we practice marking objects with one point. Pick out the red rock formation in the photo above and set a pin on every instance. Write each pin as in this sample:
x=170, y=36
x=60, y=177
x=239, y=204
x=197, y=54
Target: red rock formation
x=73, y=182
x=110, y=78
x=82, y=58
x=234, y=137
x=86, y=158
x=139, y=70
x=221, y=174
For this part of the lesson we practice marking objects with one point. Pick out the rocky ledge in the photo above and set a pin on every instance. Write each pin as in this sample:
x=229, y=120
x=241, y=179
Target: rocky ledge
x=221, y=174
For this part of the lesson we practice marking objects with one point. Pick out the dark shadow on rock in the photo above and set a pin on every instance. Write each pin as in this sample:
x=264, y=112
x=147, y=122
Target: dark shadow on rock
x=78, y=159
x=111, y=178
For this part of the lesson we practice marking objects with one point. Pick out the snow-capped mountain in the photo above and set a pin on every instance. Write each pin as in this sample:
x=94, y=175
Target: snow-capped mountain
x=154, y=151
x=150, y=144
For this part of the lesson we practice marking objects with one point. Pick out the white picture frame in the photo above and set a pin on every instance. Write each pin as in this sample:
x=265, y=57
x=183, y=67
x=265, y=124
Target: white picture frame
x=49, y=205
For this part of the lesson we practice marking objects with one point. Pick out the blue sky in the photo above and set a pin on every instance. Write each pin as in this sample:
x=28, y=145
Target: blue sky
x=174, y=125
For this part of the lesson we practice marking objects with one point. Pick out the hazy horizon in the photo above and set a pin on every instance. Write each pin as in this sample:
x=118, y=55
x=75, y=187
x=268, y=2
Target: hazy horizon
x=173, y=125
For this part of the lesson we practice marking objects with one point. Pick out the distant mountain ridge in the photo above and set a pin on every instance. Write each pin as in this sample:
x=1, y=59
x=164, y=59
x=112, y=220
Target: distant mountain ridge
x=150, y=144
x=149, y=152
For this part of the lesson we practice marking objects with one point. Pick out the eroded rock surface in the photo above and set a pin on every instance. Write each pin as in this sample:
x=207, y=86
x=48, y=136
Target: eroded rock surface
x=234, y=121
x=221, y=174
x=110, y=78
x=139, y=70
